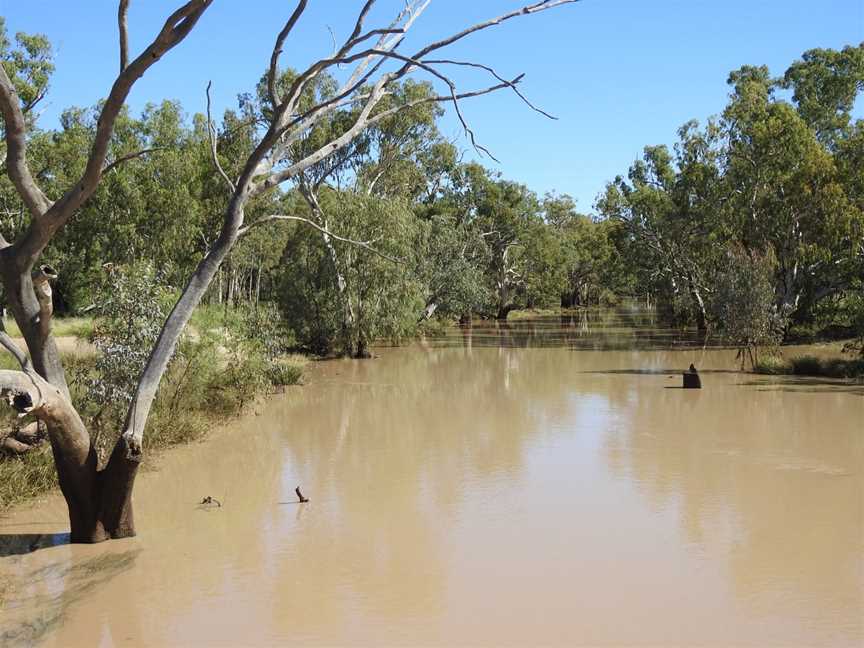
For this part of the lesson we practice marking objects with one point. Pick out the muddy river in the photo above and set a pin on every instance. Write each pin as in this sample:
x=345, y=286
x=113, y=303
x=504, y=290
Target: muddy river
x=547, y=483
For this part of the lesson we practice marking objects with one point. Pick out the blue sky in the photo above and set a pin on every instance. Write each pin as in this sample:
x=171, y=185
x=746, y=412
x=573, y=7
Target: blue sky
x=619, y=74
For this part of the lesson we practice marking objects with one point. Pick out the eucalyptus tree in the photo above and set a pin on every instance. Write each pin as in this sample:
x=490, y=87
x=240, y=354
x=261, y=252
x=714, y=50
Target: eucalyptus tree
x=454, y=257
x=774, y=178
x=588, y=262
x=450, y=263
x=825, y=84
x=99, y=500
x=746, y=315
x=505, y=215
x=665, y=206
x=160, y=191
x=376, y=284
x=784, y=192
x=384, y=162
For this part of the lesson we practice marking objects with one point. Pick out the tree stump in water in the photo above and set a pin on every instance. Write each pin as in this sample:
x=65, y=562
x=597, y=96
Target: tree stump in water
x=692, y=380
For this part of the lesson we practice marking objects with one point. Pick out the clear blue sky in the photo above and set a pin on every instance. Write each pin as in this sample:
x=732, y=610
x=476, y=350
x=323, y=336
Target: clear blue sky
x=620, y=74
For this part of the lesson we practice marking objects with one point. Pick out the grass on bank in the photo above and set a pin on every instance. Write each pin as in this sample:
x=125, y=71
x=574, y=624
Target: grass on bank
x=208, y=383
x=807, y=365
x=79, y=327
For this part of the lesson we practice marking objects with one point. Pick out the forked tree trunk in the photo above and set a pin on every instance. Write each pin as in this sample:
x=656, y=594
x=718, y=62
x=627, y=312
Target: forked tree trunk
x=99, y=502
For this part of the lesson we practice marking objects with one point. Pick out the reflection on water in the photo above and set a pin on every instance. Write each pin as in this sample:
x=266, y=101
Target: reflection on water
x=599, y=329
x=481, y=494
x=51, y=588
x=21, y=543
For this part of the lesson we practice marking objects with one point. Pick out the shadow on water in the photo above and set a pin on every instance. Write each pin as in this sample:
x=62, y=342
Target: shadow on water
x=50, y=590
x=15, y=544
x=802, y=385
x=676, y=373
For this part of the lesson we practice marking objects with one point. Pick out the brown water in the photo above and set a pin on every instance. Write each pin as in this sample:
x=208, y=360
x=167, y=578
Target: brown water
x=471, y=491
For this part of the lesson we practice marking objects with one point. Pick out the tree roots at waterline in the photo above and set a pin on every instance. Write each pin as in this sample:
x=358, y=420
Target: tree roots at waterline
x=99, y=501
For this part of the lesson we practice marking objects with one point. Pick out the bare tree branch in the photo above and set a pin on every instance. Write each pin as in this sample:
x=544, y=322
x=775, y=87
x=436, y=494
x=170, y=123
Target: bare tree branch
x=406, y=17
x=498, y=77
x=361, y=18
x=410, y=63
x=363, y=121
x=16, y=148
x=130, y=156
x=211, y=134
x=427, y=66
x=17, y=352
x=30, y=105
x=277, y=51
x=367, y=245
x=48, y=219
x=123, y=27
x=524, y=11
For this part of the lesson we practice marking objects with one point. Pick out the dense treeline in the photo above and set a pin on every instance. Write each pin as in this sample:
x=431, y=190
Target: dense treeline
x=752, y=224
x=758, y=214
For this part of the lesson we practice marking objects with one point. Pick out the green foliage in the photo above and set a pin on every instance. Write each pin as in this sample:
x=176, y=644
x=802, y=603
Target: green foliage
x=29, y=64
x=829, y=367
x=772, y=365
x=592, y=269
x=771, y=177
x=808, y=365
x=287, y=371
x=450, y=259
x=743, y=304
x=131, y=314
x=243, y=374
x=27, y=476
x=825, y=84
x=343, y=305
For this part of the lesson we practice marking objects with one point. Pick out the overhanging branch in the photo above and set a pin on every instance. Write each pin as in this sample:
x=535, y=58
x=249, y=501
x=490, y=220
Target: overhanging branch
x=366, y=245
x=211, y=134
x=130, y=156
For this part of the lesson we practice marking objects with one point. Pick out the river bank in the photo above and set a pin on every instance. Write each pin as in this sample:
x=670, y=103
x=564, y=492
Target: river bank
x=205, y=388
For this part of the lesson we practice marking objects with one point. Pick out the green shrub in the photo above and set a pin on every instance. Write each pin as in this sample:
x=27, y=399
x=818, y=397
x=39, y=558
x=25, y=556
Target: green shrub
x=608, y=298
x=216, y=371
x=287, y=371
x=844, y=368
x=806, y=366
x=434, y=327
x=242, y=378
x=772, y=365
x=742, y=304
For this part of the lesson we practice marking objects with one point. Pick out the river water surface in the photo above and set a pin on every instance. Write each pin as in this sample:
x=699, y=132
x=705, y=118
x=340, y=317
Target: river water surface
x=547, y=483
